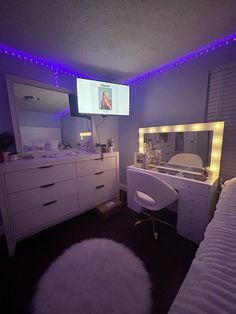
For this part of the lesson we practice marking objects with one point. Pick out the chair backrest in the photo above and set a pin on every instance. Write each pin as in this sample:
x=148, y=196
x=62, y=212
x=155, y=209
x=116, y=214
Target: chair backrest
x=187, y=159
x=161, y=192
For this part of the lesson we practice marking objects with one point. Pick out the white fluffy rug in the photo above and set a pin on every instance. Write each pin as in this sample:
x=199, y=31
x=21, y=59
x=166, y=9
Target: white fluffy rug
x=97, y=276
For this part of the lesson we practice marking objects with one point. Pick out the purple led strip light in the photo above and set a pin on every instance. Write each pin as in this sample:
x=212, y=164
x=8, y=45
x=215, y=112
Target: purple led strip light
x=226, y=41
x=57, y=69
x=60, y=69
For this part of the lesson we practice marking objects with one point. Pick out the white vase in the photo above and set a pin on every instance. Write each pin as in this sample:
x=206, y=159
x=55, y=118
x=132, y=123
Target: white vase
x=110, y=149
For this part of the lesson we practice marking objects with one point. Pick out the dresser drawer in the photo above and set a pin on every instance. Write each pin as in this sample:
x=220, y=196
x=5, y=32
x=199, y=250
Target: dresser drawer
x=92, y=166
x=23, y=200
x=30, y=178
x=96, y=189
x=38, y=217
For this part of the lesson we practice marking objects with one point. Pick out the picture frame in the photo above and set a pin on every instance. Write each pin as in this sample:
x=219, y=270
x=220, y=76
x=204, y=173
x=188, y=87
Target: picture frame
x=138, y=158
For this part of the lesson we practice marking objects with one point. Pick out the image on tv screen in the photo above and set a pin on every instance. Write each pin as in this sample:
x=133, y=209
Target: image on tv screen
x=95, y=97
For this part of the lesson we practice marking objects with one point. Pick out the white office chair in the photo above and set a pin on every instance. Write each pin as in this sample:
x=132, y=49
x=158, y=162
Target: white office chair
x=150, y=192
x=187, y=159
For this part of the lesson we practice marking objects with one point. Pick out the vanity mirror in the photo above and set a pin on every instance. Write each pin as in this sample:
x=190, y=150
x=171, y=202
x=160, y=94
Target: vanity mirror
x=41, y=117
x=204, y=139
x=172, y=143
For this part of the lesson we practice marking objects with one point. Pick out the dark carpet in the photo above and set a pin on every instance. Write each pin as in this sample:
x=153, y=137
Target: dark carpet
x=167, y=260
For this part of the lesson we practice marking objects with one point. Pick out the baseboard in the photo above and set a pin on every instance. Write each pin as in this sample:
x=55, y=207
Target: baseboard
x=123, y=187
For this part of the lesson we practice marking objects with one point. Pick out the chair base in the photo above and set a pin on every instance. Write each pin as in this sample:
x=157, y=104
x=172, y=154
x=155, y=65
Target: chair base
x=154, y=221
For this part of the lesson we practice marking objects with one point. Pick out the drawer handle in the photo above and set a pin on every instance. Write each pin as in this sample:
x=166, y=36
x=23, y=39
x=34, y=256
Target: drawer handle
x=49, y=203
x=44, y=167
x=100, y=186
x=46, y=185
x=99, y=172
x=100, y=158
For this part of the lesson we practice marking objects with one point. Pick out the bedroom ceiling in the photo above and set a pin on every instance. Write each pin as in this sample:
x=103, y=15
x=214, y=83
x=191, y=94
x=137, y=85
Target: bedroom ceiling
x=117, y=39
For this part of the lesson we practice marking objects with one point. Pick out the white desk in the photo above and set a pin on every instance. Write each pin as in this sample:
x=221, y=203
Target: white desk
x=196, y=203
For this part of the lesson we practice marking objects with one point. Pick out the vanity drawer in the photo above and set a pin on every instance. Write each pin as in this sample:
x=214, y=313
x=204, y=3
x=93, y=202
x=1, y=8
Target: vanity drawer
x=39, y=217
x=192, y=200
x=92, y=166
x=193, y=231
x=96, y=189
x=27, y=199
x=193, y=187
x=31, y=178
x=192, y=212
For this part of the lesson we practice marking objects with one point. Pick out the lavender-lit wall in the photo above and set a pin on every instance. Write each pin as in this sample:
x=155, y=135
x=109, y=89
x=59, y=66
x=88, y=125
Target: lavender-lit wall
x=12, y=66
x=174, y=97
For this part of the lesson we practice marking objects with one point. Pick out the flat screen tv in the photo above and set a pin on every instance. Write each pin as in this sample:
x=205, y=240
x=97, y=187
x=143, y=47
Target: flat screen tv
x=96, y=97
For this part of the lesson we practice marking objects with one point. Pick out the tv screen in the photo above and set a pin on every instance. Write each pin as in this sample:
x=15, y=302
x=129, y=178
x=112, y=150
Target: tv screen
x=95, y=97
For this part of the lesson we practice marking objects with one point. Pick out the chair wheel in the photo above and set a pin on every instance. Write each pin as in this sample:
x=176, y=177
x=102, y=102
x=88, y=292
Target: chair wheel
x=155, y=235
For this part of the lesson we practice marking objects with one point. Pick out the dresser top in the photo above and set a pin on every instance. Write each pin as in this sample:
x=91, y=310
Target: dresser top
x=60, y=158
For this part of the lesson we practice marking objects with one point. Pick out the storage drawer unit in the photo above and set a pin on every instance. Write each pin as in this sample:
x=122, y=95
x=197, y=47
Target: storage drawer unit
x=35, y=195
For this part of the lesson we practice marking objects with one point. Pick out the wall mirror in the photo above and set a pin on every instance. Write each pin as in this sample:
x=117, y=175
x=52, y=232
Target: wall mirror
x=204, y=139
x=41, y=117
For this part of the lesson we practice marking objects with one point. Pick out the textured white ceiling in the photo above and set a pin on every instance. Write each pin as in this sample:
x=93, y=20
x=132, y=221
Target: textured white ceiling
x=114, y=39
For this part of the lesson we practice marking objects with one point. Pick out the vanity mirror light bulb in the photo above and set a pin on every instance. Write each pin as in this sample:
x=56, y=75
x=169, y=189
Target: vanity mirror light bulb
x=216, y=140
x=215, y=155
x=217, y=126
x=164, y=129
x=213, y=168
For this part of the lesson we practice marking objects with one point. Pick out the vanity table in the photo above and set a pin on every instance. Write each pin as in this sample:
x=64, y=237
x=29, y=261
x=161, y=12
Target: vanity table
x=41, y=192
x=197, y=198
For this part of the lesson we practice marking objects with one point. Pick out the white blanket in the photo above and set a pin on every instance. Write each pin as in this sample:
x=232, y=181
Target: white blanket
x=210, y=285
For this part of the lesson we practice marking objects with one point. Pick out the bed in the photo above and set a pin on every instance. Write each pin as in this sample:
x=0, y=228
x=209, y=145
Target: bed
x=210, y=285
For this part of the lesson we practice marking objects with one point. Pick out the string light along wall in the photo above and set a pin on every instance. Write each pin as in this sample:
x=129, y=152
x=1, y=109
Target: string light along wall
x=209, y=48
x=58, y=69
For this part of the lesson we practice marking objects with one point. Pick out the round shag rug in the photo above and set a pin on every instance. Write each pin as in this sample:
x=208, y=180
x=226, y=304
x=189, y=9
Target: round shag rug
x=96, y=276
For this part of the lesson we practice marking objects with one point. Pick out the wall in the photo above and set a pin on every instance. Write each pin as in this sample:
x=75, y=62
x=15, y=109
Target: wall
x=12, y=66
x=174, y=97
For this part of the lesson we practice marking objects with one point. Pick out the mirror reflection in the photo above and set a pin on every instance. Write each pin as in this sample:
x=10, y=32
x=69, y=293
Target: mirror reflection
x=172, y=143
x=44, y=118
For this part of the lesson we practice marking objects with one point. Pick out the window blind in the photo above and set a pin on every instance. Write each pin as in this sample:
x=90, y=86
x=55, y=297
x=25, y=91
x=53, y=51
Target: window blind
x=221, y=106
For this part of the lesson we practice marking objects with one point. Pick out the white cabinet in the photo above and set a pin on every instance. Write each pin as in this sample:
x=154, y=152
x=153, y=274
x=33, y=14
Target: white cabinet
x=37, y=194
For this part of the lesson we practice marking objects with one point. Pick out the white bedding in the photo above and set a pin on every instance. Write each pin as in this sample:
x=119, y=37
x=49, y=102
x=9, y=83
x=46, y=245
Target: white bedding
x=210, y=285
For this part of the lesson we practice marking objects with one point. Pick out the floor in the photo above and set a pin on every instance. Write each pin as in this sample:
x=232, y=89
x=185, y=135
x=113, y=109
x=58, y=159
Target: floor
x=167, y=260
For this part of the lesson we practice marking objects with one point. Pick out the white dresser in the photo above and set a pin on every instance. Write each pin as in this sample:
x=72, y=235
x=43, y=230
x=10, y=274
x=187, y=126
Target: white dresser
x=39, y=193
x=196, y=202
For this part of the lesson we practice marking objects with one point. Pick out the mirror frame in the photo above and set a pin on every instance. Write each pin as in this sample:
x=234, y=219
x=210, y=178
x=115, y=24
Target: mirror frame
x=217, y=140
x=10, y=80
